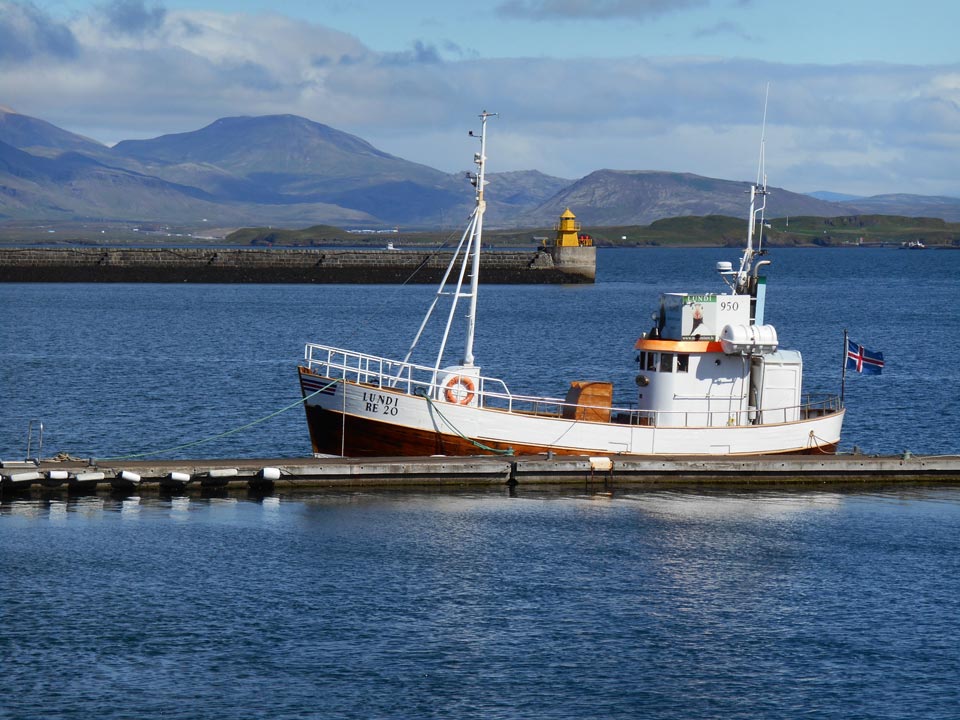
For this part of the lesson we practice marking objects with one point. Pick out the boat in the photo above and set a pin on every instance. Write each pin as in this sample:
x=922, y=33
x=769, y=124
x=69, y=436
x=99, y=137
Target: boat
x=711, y=380
x=913, y=245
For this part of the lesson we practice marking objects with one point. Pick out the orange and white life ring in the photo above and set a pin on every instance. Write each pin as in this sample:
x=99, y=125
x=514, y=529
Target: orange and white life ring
x=459, y=390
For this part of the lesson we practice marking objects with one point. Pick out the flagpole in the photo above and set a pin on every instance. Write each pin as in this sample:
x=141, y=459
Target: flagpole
x=843, y=373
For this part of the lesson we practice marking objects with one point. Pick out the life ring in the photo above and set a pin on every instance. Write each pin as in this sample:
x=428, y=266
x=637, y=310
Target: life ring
x=459, y=390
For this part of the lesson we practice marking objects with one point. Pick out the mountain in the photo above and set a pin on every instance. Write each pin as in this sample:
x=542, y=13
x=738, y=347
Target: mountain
x=74, y=186
x=285, y=159
x=525, y=188
x=834, y=196
x=39, y=137
x=284, y=147
x=288, y=171
x=624, y=197
x=945, y=208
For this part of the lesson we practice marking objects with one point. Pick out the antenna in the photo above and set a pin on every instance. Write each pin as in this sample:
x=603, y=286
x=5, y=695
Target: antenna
x=480, y=160
x=762, y=165
x=467, y=254
x=763, y=141
x=757, y=188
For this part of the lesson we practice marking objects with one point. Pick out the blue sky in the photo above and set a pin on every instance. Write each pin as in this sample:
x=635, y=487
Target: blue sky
x=820, y=30
x=864, y=96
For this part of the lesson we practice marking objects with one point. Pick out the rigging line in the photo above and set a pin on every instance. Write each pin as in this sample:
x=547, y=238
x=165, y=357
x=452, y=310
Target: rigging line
x=226, y=433
x=439, y=293
x=430, y=254
x=419, y=267
x=475, y=443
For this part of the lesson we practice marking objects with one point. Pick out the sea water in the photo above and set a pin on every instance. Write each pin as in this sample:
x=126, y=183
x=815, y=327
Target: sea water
x=483, y=604
x=138, y=368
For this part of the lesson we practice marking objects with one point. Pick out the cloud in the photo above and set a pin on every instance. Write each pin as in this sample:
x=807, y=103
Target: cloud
x=26, y=34
x=725, y=27
x=421, y=53
x=566, y=117
x=452, y=48
x=132, y=17
x=593, y=9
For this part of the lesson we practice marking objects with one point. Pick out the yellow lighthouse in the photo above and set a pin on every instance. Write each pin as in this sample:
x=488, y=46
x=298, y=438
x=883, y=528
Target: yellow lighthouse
x=568, y=232
x=572, y=251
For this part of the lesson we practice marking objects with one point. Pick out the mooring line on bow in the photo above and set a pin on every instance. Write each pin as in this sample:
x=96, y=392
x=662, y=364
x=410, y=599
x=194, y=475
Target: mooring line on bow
x=232, y=431
x=475, y=443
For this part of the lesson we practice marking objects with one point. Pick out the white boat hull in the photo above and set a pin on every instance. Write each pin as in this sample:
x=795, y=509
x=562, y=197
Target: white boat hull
x=351, y=419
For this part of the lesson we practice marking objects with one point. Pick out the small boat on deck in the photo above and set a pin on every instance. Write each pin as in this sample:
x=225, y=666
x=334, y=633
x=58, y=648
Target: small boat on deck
x=711, y=380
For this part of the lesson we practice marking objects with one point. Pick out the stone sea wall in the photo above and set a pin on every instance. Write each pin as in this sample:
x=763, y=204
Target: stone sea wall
x=232, y=265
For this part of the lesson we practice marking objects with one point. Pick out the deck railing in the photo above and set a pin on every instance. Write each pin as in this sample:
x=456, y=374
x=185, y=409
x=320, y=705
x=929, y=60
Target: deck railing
x=812, y=407
x=390, y=374
x=493, y=393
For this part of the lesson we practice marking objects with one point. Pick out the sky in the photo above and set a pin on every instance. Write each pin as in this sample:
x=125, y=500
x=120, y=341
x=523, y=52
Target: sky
x=864, y=95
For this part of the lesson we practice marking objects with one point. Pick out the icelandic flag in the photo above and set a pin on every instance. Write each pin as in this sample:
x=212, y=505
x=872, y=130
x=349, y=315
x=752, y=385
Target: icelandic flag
x=863, y=360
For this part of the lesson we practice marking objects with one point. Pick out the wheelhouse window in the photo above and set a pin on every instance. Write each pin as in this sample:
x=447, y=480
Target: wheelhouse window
x=683, y=362
x=666, y=362
x=652, y=361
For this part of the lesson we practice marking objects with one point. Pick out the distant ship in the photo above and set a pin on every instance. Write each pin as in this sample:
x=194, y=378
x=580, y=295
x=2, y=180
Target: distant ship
x=913, y=245
x=711, y=380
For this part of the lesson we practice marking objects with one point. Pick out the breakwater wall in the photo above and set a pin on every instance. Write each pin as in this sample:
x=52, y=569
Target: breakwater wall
x=255, y=265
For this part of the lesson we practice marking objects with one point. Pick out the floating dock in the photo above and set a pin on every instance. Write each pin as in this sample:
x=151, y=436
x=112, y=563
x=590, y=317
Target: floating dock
x=199, y=475
x=556, y=265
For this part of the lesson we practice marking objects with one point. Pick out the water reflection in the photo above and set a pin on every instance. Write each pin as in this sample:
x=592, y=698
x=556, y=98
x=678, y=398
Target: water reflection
x=681, y=504
x=716, y=506
x=61, y=506
x=614, y=603
x=130, y=507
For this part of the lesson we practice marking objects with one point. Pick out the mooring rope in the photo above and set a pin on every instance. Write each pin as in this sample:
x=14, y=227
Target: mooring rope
x=475, y=443
x=226, y=433
x=817, y=440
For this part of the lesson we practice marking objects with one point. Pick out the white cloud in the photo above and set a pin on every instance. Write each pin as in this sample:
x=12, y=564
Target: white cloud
x=881, y=128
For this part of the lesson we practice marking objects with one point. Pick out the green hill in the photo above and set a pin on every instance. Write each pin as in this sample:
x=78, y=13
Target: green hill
x=862, y=230
x=706, y=231
x=850, y=230
x=311, y=236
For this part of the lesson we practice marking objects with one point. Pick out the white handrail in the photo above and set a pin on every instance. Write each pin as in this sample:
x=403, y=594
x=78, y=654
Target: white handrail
x=494, y=394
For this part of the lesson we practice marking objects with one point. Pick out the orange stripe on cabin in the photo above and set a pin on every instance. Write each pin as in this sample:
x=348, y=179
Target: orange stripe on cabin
x=686, y=346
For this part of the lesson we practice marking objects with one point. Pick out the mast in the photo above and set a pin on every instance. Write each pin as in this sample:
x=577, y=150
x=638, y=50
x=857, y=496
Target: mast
x=480, y=159
x=759, y=188
x=466, y=254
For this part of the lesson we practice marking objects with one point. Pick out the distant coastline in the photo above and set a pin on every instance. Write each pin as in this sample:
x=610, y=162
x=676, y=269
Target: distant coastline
x=691, y=231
